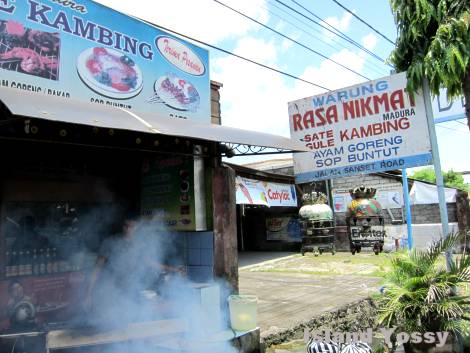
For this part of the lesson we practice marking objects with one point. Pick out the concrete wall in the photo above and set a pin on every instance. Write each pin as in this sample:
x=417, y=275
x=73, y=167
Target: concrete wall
x=425, y=218
x=215, y=103
x=373, y=180
x=425, y=214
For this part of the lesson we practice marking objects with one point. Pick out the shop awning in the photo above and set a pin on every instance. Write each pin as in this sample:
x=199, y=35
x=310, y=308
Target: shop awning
x=25, y=103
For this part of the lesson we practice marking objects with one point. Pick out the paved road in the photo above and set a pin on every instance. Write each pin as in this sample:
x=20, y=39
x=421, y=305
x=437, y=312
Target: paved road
x=250, y=258
x=286, y=299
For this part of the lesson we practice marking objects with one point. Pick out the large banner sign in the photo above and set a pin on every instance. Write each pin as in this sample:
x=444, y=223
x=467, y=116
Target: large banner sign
x=362, y=129
x=256, y=192
x=85, y=51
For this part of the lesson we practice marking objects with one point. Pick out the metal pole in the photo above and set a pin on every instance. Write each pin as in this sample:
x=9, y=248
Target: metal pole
x=242, y=214
x=406, y=198
x=437, y=167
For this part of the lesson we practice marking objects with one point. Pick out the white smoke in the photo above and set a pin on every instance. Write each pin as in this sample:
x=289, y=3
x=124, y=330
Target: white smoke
x=146, y=292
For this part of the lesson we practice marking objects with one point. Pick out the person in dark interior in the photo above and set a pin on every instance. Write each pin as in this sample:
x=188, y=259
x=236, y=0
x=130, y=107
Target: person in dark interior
x=28, y=239
x=125, y=266
x=21, y=310
x=21, y=313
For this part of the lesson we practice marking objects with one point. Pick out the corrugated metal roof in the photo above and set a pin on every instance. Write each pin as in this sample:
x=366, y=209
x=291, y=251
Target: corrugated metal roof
x=274, y=163
x=25, y=103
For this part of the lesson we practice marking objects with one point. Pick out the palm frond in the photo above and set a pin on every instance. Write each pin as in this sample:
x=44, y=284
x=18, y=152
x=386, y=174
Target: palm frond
x=420, y=291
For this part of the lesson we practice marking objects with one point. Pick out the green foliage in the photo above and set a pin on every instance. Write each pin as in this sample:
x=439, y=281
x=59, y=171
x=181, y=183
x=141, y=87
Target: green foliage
x=451, y=178
x=455, y=180
x=420, y=294
x=434, y=42
x=425, y=174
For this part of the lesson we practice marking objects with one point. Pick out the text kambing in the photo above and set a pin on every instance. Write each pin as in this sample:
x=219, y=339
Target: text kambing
x=42, y=14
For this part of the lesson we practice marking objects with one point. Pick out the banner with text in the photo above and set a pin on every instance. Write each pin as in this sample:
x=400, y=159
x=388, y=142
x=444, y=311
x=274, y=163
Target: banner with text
x=87, y=52
x=256, y=192
x=367, y=128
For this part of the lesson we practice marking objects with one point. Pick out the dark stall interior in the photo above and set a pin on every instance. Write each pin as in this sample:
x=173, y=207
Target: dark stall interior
x=253, y=229
x=58, y=203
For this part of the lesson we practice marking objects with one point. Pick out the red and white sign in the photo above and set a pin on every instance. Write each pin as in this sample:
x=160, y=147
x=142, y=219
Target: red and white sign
x=180, y=56
x=367, y=128
x=256, y=192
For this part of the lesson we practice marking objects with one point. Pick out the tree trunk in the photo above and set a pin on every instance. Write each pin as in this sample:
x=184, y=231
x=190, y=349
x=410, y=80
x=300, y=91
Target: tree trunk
x=466, y=93
x=463, y=217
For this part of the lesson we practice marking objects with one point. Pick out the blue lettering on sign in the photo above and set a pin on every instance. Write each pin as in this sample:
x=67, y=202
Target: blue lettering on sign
x=328, y=157
x=375, y=149
x=37, y=13
x=351, y=93
x=364, y=168
x=5, y=6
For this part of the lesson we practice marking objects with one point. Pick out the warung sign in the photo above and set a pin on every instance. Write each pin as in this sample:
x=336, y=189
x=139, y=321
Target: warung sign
x=371, y=127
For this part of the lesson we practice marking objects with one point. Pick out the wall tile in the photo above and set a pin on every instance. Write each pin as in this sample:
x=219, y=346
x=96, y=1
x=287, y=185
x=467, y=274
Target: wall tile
x=193, y=240
x=200, y=273
x=207, y=240
x=207, y=257
x=194, y=257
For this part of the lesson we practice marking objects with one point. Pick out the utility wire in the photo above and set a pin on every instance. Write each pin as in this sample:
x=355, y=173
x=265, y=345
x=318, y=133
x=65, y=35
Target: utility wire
x=292, y=40
x=238, y=56
x=334, y=31
x=364, y=22
x=449, y=128
x=370, y=65
x=460, y=122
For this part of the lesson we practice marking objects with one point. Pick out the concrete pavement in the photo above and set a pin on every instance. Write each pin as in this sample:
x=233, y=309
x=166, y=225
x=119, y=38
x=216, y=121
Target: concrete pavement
x=287, y=297
x=247, y=259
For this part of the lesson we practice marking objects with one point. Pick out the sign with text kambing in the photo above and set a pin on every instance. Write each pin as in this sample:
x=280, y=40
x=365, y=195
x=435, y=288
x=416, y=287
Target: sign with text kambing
x=367, y=128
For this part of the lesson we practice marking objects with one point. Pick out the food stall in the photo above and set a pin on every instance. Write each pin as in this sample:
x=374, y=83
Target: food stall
x=99, y=121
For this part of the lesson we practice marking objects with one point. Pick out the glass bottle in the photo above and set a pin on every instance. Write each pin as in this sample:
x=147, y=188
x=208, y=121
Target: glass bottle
x=42, y=262
x=35, y=262
x=28, y=263
x=14, y=264
x=48, y=261
x=7, y=264
x=55, y=261
x=21, y=263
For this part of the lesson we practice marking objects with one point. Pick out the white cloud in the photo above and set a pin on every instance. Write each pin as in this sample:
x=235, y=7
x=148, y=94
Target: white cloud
x=252, y=98
x=262, y=51
x=341, y=24
x=286, y=44
x=334, y=24
x=201, y=19
x=369, y=41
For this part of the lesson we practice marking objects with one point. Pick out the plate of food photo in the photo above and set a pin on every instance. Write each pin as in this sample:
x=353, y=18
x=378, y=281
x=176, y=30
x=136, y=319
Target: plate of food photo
x=110, y=73
x=176, y=93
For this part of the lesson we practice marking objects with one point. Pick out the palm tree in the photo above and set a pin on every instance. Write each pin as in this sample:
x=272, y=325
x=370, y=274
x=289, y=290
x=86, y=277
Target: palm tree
x=434, y=42
x=421, y=295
